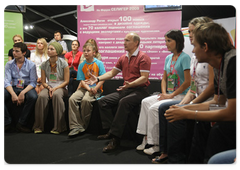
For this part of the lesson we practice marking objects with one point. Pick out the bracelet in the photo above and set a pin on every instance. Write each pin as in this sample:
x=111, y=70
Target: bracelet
x=196, y=116
x=98, y=79
x=191, y=102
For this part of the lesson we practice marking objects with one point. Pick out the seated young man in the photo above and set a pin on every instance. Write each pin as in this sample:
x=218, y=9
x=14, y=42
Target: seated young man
x=212, y=45
x=19, y=86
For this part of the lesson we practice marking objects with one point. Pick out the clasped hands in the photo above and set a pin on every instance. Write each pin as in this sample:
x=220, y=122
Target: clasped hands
x=163, y=96
x=51, y=91
x=18, y=99
x=92, y=91
x=175, y=113
x=39, y=80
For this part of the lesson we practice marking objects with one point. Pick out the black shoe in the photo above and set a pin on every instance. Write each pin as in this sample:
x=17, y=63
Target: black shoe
x=9, y=129
x=113, y=144
x=106, y=136
x=22, y=128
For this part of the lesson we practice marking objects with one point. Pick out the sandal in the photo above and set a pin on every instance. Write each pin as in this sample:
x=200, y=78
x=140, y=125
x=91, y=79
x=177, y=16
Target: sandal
x=37, y=131
x=157, y=160
x=157, y=157
x=55, y=132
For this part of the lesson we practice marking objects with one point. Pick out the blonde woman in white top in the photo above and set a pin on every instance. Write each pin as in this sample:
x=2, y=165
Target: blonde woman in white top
x=38, y=58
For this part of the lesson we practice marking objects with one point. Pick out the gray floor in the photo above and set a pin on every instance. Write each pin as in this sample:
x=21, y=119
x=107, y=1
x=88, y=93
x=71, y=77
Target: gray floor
x=47, y=148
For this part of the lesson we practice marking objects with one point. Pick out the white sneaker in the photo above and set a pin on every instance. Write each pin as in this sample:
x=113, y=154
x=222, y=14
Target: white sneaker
x=142, y=146
x=76, y=131
x=151, y=150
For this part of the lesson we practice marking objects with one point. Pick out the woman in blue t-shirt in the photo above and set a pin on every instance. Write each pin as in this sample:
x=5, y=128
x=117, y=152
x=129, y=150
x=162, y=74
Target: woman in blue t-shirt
x=175, y=84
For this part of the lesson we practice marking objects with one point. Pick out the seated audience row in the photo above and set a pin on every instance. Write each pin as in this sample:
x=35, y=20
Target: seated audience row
x=212, y=45
x=175, y=123
x=201, y=89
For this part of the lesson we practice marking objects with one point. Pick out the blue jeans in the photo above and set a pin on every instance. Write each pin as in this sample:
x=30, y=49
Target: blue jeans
x=225, y=157
x=172, y=135
x=73, y=74
x=28, y=108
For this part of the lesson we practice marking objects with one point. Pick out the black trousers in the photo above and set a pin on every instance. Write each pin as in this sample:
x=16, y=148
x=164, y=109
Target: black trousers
x=199, y=142
x=207, y=141
x=222, y=137
x=125, y=101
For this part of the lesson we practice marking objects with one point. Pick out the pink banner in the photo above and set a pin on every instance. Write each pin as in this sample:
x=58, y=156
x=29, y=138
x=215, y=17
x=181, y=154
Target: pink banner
x=108, y=25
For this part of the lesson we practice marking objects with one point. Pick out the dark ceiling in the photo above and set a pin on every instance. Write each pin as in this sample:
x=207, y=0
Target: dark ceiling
x=47, y=19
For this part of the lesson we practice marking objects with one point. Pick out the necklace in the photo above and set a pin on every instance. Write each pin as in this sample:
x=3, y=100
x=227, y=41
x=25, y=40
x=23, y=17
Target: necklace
x=53, y=65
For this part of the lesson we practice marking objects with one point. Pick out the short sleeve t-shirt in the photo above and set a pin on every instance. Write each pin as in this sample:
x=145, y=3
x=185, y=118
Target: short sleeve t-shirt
x=96, y=68
x=182, y=63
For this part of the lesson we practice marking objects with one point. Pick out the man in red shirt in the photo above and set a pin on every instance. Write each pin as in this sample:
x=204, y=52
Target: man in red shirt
x=135, y=67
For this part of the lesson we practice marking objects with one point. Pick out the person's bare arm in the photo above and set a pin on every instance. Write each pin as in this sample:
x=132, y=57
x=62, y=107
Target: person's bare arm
x=106, y=76
x=13, y=94
x=142, y=79
x=201, y=111
x=183, y=87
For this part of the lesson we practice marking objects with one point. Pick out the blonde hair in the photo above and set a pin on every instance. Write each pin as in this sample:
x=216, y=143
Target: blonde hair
x=200, y=20
x=90, y=45
x=17, y=35
x=94, y=43
x=44, y=47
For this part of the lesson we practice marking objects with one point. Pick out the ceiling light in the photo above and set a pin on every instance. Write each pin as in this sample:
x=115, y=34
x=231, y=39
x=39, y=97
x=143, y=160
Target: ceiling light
x=27, y=27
